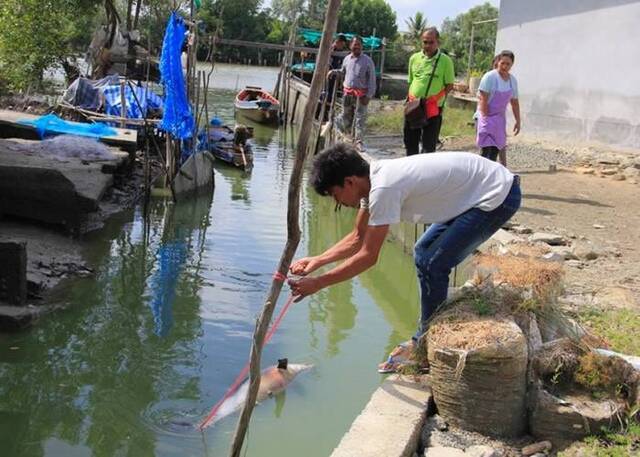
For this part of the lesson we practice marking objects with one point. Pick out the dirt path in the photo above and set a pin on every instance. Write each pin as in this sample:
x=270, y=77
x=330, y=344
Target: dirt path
x=599, y=210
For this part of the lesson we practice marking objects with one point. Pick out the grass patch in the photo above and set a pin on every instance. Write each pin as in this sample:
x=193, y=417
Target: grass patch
x=608, y=444
x=619, y=327
x=455, y=122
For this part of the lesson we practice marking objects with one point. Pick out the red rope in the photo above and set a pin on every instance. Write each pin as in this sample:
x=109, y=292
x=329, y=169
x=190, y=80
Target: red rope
x=243, y=374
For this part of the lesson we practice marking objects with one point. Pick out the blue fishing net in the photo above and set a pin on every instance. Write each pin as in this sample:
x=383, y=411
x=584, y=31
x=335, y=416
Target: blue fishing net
x=171, y=257
x=177, y=118
x=53, y=124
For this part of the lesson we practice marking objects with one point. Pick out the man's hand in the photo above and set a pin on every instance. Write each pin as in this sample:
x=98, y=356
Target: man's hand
x=516, y=128
x=302, y=287
x=304, y=266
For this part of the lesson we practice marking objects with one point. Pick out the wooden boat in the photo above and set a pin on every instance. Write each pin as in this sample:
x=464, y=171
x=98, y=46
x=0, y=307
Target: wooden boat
x=258, y=105
x=229, y=145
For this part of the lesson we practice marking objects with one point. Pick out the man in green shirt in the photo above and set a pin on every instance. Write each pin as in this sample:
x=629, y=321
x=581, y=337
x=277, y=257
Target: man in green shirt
x=421, y=66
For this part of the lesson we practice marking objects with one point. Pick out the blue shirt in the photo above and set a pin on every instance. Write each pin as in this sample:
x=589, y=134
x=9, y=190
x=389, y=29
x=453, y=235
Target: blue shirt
x=492, y=82
x=360, y=73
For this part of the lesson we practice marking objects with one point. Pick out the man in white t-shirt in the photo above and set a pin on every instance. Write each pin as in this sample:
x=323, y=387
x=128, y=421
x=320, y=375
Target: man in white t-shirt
x=465, y=197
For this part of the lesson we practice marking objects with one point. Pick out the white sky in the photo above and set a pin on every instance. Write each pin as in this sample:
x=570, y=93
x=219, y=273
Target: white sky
x=435, y=10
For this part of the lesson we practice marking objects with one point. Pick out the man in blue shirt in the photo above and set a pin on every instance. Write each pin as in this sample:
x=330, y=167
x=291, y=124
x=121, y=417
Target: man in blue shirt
x=358, y=88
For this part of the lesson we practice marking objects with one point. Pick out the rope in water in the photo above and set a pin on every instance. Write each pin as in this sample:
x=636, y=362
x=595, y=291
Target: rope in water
x=243, y=373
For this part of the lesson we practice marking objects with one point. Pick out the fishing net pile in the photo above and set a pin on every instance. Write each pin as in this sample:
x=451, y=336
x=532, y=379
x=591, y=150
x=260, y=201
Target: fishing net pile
x=64, y=147
x=505, y=359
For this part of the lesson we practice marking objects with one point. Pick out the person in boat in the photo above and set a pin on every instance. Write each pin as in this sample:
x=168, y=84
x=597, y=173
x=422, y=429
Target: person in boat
x=359, y=87
x=431, y=77
x=464, y=197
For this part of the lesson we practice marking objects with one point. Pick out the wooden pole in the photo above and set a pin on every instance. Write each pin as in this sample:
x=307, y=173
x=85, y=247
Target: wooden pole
x=293, y=227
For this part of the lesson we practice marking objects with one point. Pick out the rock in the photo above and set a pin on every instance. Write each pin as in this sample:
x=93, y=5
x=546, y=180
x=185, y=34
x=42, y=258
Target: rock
x=552, y=239
x=503, y=237
x=565, y=252
x=521, y=230
x=618, y=177
x=481, y=451
x=575, y=264
x=609, y=171
x=585, y=170
x=441, y=451
x=608, y=159
x=535, y=448
x=585, y=250
x=599, y=226
x=553, y=257
x=631, y=173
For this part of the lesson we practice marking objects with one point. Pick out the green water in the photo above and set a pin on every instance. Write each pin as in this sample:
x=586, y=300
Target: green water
x=151, y=342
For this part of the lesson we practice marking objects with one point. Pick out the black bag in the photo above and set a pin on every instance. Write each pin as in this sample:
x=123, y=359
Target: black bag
x=414, y=111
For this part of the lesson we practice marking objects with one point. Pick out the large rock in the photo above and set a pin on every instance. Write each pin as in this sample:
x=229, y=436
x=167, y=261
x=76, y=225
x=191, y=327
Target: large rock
x=46, y=189
x=586, y=250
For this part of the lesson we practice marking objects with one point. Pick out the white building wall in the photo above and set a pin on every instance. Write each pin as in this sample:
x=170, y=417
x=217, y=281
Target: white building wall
x=578, y=67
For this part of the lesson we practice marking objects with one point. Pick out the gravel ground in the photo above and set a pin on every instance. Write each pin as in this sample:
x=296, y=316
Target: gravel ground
x=521, y=155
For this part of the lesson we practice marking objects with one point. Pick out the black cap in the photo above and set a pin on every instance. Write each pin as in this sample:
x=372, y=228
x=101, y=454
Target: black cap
x=282, y=364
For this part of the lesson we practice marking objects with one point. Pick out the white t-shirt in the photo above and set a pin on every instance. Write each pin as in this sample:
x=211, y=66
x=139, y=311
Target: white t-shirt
x=435, y=187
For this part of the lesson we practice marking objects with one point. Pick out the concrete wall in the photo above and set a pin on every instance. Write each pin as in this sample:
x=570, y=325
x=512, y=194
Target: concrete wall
x=578, y=67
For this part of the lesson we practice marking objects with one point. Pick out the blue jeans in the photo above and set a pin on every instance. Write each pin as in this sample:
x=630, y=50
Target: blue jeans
x=443, y=246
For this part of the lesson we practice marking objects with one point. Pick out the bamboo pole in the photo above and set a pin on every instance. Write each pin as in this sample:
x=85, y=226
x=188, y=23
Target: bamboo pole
x=293, y=227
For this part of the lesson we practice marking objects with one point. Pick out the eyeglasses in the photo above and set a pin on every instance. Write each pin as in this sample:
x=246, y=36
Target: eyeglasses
x=428, y=42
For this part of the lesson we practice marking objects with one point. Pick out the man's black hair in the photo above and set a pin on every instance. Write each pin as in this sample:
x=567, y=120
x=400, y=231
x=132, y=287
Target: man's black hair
x=332, y=165
x=433, y=30
x=341, y=37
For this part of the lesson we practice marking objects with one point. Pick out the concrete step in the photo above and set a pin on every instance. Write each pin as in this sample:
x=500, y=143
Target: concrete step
x=391, y=423
x=47, y=189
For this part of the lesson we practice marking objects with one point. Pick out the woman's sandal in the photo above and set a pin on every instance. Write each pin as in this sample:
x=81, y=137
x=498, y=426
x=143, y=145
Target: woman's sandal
x=395, y=363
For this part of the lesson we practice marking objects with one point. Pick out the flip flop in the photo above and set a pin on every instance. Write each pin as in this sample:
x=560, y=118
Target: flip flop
x=395, y=361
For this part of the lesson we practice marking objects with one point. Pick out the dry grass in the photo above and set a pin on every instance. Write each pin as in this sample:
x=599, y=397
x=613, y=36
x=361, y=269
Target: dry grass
x=543, y=278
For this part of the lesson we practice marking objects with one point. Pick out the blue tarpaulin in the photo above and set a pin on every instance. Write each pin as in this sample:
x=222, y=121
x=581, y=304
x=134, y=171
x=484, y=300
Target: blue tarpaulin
x=53, y=124
x=177, y=118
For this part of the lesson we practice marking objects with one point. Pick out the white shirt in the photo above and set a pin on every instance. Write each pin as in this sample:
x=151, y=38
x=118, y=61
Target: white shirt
x=434, y=187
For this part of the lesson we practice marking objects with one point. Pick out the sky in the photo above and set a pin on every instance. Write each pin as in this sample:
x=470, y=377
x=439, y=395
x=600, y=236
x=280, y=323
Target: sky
x=435, y=10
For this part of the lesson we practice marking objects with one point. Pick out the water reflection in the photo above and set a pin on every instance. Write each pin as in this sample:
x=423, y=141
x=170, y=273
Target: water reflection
x=86, y=378
x=392, y=282
x=238, y=180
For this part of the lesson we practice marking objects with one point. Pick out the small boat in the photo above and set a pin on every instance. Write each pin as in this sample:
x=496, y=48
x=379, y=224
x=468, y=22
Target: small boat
x=258, y=105
x=229, y=145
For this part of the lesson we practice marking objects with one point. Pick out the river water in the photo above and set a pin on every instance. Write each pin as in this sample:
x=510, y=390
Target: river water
x=145, y=347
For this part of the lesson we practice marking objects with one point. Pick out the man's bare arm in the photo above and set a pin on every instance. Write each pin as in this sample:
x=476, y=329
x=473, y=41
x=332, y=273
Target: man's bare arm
x=344, y=248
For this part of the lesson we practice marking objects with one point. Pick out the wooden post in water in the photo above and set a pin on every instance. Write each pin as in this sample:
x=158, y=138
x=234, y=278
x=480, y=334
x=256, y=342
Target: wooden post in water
x=293, y=227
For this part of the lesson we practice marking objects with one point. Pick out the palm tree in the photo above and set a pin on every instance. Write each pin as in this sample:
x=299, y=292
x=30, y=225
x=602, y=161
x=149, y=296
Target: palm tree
x=417, y=25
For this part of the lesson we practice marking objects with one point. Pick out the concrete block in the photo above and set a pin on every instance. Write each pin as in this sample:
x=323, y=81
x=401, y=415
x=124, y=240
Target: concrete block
x=391, y=423
x=13, y=272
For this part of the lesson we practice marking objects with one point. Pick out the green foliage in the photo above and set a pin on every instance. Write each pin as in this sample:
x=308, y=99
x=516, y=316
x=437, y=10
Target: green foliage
x=454, y=122
x=36, y=34
x=608, y=443
x=455, y=37
x=481, y=306
x=367, y=18
x=619, y=327
x=417, y=25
